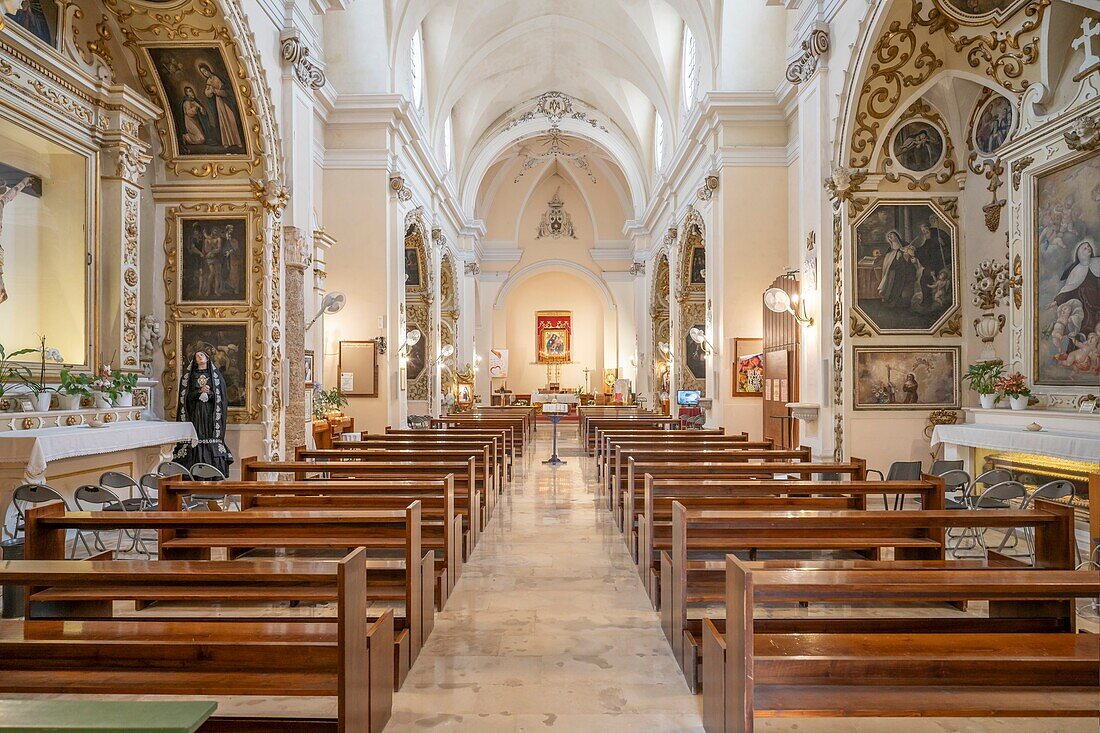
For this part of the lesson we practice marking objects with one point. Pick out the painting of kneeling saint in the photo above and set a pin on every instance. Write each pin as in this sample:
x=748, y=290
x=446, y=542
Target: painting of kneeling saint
x=199, y=92
x=906, y=377
x=227, y=346
x=905, y=267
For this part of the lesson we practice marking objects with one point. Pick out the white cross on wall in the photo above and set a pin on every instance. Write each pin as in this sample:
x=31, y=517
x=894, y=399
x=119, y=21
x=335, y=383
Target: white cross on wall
x=1090, y=31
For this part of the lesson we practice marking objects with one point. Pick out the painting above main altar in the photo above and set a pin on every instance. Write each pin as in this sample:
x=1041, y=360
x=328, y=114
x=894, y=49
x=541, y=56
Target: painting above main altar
x=1066, y=327
x=554, y=330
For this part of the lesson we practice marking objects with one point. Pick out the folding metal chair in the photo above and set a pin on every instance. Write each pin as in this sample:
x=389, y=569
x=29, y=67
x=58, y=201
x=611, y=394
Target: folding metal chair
x=899, y=471
x=171, y=468
x=207, y=472
x=28, y=495
x=941, y=467
x=97, y=498
x=995, y=497
x=1058, y=489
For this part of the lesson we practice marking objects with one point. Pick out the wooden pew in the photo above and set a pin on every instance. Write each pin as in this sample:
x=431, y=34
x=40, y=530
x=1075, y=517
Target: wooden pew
x=517, y=427
x=527, y=412
x=466, y=486
x=900, y=667
x=503, y=438
x=432, y=439
x=488, y=481
x=192, y=536
x=655, y=520
x=697, y=451
x=441, y=525
x=912, y=536
x=585, y=413
x=346, y=656
x=605, y=437
x=592, y=424
x=626, y=501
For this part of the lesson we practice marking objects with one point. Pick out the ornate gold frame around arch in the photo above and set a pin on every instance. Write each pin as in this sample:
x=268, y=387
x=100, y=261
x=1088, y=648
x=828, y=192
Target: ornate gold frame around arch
x=660, y=312
x=903, y=49
x=449, y=317
x=251, y=182
x=691, y=296
x=418, y=301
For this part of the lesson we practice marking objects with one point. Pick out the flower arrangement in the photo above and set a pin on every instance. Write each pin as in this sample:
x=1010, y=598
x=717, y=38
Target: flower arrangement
x=327, y=401
x=39, y=386
x=75, y=384
x=104, y=384
x=1013, y=385
x=983, y=376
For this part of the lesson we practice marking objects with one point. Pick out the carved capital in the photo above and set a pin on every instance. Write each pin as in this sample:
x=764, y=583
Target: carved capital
x=297, y=54
x=271, y=194
x=399, y=189
x=130, y=161
x=439, y=239
x=637, y=269
x=812, y=49
x=472, y=269
x=842, y=186
x=296, y=248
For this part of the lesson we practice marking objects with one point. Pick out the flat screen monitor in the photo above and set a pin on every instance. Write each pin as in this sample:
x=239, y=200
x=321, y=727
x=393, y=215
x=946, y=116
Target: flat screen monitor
x=688, y=397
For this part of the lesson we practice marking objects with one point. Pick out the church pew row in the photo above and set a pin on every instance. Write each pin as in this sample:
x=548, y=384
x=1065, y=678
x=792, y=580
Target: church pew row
x=584, y=414
x=517, y=427
x=527, y=412
x=347, y=656
x=488, y=481
x=654, y=523
x=467, y=492
x=697, y=451
x=607, y=440
x=441, y=525
x=594, y=424
x=1022, y=660
x=430, y=439
x=697, y=534
x=401, y=573
x=501, y=437
x=627, y=501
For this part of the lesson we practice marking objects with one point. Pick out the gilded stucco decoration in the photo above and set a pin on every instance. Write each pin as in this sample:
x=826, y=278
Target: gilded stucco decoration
x=920, y=121
x=905, y=56
x=659, y=314
x=449, y=314
x=692, y=311
x=811, y=50
x=419, y=295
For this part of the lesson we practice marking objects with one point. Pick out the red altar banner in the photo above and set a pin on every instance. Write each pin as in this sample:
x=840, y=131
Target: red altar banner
x=554, y=330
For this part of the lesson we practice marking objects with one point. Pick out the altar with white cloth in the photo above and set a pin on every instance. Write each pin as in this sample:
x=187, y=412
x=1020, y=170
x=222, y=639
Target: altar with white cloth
x=568, y=398
x=67, y=457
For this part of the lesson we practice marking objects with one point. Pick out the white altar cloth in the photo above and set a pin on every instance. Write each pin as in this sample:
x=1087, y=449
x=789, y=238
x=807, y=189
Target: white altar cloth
x=1073, y=445
x=37, y=448
x=568, y=398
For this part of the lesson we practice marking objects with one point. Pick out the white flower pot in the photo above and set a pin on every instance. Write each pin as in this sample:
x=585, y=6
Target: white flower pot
x=102, y=402
x=989, y=401
x=68, y=401
x=1018, y=403
x=126, y=399
x=42, y=401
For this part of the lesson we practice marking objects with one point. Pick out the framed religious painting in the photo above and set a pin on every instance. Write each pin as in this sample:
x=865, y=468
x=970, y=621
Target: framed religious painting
x=906, y=377
x=748, y=367
x=553, y=337
x=906, y=267
x=918, y=146
x=214, y=253
x=695, y=355
x=980, y=12
x=1066, y=275
x=698, y=273
x=201, y=99
x=992, y=123
x=47, y=242
x=465, y=394
x=41, y=19
x=227, y=343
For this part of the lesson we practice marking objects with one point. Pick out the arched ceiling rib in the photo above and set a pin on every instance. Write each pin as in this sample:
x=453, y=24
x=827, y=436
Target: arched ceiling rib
x=483, y=58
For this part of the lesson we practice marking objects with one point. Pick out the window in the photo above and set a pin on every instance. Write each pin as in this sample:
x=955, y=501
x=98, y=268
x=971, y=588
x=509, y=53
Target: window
x=448, y=143
x=416, y=69
x=658, y=142
x=690, y=81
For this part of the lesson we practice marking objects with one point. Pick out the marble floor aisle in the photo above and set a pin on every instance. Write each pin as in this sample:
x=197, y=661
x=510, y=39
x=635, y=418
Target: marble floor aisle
x=549, y=628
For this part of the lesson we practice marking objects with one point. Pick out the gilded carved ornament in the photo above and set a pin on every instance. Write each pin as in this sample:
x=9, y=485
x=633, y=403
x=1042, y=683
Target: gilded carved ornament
x=1085, y=133
x=811, y=50
x=945, y=168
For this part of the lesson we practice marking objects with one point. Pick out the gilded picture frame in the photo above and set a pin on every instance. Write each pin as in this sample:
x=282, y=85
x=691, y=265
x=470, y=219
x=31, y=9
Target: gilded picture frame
x=900, y=378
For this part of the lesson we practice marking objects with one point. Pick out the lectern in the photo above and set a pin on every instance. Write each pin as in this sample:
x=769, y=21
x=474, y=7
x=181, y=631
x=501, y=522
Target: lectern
x=555, y=410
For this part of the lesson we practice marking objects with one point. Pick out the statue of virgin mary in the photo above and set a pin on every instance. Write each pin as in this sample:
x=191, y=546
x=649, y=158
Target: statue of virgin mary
x=203, y=403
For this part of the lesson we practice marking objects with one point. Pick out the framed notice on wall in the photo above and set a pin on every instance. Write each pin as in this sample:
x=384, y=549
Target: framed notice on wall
x=358, y=368
x=498, y=363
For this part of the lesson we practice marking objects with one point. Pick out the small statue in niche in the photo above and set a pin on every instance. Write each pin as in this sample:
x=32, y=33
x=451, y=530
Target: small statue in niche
x=150, y=336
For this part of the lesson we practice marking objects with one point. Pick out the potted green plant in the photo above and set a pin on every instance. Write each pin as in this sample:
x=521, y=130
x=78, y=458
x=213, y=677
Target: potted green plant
x=1014, y=387
x=43, y=393
x=74, y=387
x=11, y=372
x=982, y=377
x=103, y=388
x=124, y=383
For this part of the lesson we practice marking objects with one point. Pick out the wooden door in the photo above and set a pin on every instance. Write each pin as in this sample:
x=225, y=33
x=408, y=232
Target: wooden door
x=782, y=336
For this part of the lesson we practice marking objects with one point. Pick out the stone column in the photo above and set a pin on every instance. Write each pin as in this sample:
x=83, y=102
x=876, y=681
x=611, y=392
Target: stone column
x=297, y=258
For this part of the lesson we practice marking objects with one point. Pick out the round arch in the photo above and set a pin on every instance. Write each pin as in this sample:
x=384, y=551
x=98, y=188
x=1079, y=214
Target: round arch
x=566, y=266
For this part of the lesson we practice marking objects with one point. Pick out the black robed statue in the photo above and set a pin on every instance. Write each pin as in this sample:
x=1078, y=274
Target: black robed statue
x=203, y=403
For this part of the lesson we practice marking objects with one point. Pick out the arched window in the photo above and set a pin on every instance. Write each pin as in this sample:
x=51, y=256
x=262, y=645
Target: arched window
x=690, y=64
x=416, y=69
x=658, y=142
x=448, y=143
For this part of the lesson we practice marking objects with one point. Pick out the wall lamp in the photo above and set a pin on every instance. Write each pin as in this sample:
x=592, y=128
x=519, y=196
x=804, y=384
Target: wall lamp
x=444, y=354
x=412, y=338
x=665, y=349
x=778, y=300
x=699, y=336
